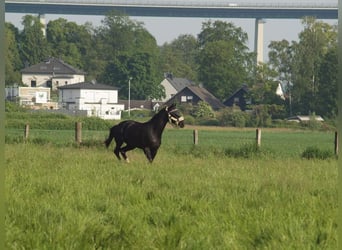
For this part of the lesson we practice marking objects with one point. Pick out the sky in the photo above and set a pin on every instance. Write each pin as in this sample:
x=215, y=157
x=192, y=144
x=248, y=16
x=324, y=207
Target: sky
x=166, y=29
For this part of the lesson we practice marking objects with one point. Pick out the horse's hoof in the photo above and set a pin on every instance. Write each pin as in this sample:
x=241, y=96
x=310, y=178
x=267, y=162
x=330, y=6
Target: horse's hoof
x=127, y=160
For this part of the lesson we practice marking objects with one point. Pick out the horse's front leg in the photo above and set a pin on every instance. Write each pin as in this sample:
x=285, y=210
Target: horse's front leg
x=147, y=152
x=150, y=153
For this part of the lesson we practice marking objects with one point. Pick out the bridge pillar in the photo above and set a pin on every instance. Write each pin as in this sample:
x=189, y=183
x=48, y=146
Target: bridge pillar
x=43, y=22
x=259, y=39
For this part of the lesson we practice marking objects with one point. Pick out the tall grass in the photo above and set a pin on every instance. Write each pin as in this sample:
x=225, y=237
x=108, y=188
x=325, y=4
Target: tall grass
x=83, y=198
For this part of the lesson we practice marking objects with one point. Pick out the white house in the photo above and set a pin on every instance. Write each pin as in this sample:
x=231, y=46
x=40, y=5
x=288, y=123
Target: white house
x=28, y=96
x=172, y=85
x=52, y=73
x=97, y=99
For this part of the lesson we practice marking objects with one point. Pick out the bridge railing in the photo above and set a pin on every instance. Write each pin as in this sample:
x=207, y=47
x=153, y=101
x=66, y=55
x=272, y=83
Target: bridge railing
x=196, y=3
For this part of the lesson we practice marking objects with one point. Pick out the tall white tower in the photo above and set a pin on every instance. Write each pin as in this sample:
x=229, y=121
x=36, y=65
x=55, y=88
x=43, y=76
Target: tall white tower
x=259, y=39
x=43, y=22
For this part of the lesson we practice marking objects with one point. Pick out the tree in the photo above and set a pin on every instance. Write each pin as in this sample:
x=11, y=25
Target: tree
x=327, y=87
x=179, y=57
x=33, y=45
x=121, y=35
x=264, y=91
x=224, y=60
x=281, y=59
x=139, y=68
x=129, y=51
x=69, y=41
x=12, y=58
x=314, y=42
x=223, y=31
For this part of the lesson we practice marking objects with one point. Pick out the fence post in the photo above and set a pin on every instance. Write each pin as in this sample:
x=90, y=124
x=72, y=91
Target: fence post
x=27, y=131
x=336, y=143
x=78, y=132
x=195, y=133
x=258, y=137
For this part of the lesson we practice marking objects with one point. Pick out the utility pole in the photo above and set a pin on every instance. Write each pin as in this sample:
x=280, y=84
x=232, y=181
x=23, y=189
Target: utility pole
x=129, y=96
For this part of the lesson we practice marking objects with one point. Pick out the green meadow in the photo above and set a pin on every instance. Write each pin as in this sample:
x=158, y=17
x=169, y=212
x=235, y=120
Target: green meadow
x=223, y=193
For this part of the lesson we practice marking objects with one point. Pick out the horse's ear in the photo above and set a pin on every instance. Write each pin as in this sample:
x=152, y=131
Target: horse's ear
x=172, y=106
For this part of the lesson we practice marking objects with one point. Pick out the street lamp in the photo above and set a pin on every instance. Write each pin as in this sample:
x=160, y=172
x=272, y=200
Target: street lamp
x=129, y=96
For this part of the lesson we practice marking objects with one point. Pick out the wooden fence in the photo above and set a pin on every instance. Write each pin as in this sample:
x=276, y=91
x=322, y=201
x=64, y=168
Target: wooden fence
x=78, y=136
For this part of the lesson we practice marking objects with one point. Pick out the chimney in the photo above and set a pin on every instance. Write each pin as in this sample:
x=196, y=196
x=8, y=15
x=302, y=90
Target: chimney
x=168, y=75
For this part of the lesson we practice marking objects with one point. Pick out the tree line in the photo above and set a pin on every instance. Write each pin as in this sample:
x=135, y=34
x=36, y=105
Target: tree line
x=218, y=58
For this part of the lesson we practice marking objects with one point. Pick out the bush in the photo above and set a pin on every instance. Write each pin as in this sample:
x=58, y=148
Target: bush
x=239, y=119
x=233, y=117
x=53, y=121
x=137, y=114
x=208, y=122
x=316, y=153
x=14, y=107
x=95, y=123
x=203, y=110
x=312, y=124
x=261, y=116
x=189, y=120
x=245, y=151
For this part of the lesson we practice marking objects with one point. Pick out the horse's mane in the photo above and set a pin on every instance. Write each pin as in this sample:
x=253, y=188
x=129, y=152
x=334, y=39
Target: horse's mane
x=156, y=116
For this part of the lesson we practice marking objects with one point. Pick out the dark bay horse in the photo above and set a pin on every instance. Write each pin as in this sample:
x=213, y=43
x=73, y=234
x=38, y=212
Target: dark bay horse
x=146, y=136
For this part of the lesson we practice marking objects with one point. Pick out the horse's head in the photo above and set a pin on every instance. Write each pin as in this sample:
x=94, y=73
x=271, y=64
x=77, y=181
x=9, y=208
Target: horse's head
x=175, y=117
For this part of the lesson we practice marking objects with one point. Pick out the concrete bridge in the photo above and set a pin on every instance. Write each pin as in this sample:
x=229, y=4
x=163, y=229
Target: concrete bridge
x=258, y=10
x=182, y=8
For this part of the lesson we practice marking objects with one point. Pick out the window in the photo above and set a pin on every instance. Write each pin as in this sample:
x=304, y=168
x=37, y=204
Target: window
x=183, y=98
x=33, y=83
x=49, y=84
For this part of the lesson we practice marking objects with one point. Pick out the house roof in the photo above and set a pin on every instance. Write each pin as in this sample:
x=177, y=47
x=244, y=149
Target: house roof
x=52, y=66
x=140, y=104
x=179, y=83
x=206, y=96
x=244, y=89
x=305, y=118
x=88, y=85
x=202, y=94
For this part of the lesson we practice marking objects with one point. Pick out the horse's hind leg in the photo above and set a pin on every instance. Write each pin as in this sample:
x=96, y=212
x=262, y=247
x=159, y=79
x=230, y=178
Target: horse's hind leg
x=116, y=152
x=117, y=149
x=124, y=150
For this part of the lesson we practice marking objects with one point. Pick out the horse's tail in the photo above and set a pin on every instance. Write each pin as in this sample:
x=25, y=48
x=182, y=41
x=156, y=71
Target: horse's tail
x=111, y=136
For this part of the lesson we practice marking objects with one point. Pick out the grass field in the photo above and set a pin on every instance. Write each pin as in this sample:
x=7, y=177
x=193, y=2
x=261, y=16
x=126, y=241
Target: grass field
x=69, y=197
